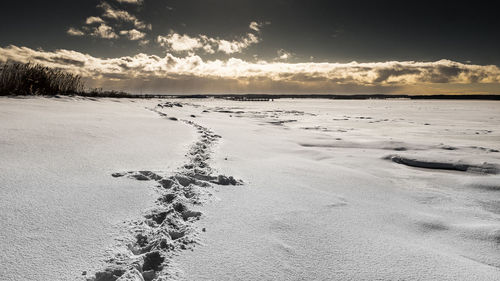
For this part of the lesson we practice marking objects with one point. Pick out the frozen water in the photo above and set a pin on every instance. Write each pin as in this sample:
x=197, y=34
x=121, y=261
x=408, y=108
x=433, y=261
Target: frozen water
x=333, y=190
x=322, y=202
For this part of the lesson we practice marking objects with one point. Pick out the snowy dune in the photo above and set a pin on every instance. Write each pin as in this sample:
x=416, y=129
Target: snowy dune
x=333, y=190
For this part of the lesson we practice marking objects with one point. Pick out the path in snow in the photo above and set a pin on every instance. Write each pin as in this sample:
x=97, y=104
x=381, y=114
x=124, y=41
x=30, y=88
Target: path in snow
x=169, y=227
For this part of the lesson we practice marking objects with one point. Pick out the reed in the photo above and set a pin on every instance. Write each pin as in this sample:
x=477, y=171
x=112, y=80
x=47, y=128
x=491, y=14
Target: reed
x=35, y=79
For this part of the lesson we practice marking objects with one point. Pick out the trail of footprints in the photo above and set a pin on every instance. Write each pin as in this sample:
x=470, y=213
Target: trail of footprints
x=168, y=228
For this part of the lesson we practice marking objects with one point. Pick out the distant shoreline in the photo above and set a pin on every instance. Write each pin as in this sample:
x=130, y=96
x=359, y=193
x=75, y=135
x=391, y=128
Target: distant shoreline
x=349, y=97
x=268, y=97
x=264, y=97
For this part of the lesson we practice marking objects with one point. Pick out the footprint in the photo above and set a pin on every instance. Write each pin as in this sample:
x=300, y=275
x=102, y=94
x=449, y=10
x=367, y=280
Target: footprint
x=169, y=227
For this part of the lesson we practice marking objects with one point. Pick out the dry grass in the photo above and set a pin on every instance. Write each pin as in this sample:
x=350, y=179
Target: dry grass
x=35, y=79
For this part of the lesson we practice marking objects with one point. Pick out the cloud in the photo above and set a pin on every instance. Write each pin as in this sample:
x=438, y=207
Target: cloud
x=121, y=15
x=181, y=43
x=193, y=74
x=176, y=42
x=143, y=42
x=135, y=2
x=92, y=20
x=133, y=34
x=255, y=26
x=112, y=13
x=184, y=43
x=74, y=32
x=237, y=46
x=283, y=55
x=104, y=31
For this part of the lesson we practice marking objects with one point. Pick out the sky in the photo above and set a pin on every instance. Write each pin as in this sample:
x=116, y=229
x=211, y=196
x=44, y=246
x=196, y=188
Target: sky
x=242, y=46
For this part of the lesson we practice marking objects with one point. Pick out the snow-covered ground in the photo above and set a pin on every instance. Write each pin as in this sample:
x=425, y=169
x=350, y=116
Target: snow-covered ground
x=60, y=209
x=333, y=190
x=321, y=203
